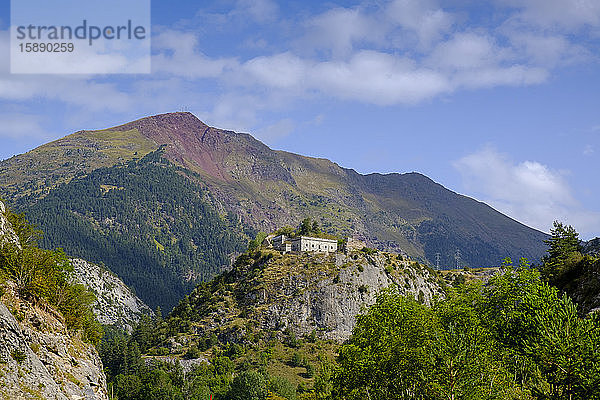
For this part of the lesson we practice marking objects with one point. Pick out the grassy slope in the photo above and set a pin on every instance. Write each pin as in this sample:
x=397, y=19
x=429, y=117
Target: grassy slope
x=49, y=165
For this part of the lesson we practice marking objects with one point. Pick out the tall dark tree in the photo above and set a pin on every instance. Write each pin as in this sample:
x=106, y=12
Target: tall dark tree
x=563, y=245
x=305, y=227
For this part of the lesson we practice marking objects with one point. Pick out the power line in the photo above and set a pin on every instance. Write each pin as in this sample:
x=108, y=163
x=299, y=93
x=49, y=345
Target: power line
x=457, y=257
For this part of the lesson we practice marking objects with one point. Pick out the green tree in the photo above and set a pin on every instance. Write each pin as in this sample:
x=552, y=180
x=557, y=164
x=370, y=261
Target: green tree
x=566, y=348
x=465, y=361
x=257, y=241
x=46, y=274
x=563, y=243
x=315, y=229
x=386, y=356
x=548, y=347
x=283, y=387
x=249, y=385
x=305, y=227
x=285, y=230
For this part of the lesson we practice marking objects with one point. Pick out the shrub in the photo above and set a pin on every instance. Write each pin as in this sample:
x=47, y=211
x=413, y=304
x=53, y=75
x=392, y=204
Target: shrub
x=46, y=274
x=18, y=355
x=249, y=385
x=192, y=352
x=283, y=387
x=297, y=360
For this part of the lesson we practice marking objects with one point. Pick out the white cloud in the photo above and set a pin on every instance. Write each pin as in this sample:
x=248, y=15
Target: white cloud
x=234, y=111
x=259, y=10
x=423, y=17
x=282, y=71
x=517, y=75
x=377, y=78
x=389, y=53
x=549, y=50
x=468, y=51
x=566, y=14
x=528, y=191
x=278, y=130
x=19, y=125
x=240, y=14
x=398, y=23
x=588, y=150
x=178, y=54
x=339, y=29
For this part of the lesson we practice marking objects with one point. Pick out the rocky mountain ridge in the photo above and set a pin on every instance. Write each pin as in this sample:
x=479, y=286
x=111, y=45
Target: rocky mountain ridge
x=592, y=247
x=267, y=189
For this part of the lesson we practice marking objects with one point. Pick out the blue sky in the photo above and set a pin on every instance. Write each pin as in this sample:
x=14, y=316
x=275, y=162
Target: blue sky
x=498, y=100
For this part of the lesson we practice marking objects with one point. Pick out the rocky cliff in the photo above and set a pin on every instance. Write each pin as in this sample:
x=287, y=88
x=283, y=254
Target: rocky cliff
x=7, y=235
x=39, y=357
x=269, y=294
x=115, y=303
x=327, y=292
x=592, y=247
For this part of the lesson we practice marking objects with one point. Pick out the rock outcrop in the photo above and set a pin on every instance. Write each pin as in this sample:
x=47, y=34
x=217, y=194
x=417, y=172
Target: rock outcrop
x=329, y=303
x=40, y=360
x=592, y=247
x=299, y=293
x=115, y=303
x=7, y=235
x=39, y=357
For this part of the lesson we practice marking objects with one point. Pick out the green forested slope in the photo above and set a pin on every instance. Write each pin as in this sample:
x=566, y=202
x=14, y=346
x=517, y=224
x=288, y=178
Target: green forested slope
x=145, y=221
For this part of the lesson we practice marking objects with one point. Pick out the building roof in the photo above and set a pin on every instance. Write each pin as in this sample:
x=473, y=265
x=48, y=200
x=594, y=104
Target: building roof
x=314, y=238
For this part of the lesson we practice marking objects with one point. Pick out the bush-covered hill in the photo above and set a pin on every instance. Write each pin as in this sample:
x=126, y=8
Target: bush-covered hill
x=279, y=316
x=512, y=337
x=146, y=221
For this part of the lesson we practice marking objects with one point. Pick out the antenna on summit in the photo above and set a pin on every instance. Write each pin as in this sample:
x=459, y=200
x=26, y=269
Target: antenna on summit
x=184, y=109
x=437, y=261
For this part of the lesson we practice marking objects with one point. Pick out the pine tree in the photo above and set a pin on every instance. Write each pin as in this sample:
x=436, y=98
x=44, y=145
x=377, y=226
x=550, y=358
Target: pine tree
x=563, y=243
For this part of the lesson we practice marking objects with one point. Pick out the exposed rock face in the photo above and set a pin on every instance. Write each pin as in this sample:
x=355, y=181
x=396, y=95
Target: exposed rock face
x=115, y=303
x=39, y=359
x=329, y=303
x=6, y=232
x=302, y=293
x=592, y=247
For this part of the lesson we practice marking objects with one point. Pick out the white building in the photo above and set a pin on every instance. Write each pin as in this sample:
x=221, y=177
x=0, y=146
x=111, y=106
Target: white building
x=304, y=243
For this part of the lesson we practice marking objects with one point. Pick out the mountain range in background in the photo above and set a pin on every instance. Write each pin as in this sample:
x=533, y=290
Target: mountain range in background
x=166, y=202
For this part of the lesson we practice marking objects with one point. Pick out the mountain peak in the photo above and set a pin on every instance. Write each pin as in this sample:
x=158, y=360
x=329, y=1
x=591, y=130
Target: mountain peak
x=165, y=126
x=190, y=142
x=267, y=189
